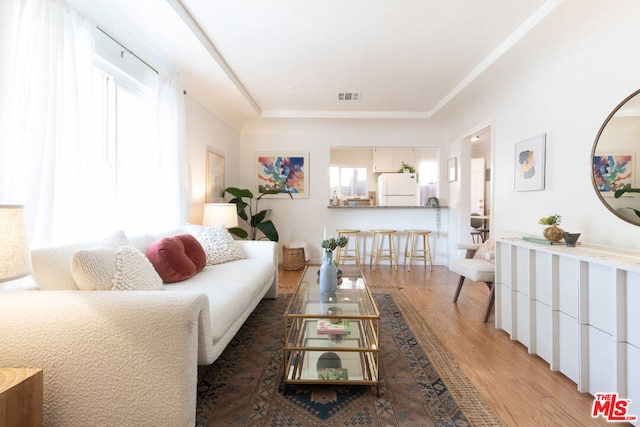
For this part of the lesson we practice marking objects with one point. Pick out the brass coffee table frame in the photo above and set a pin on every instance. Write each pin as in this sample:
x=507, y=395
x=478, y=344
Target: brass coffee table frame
x=359, y=350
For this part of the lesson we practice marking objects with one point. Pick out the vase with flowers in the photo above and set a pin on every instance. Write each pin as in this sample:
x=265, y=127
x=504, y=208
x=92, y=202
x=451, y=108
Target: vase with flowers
x=553, y=232
x=328, y=273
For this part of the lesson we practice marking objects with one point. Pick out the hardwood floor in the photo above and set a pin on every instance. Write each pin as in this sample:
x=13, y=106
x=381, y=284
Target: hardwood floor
x=520, y=387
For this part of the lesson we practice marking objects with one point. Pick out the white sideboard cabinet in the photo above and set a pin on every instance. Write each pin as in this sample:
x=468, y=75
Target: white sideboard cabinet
x=577, y=308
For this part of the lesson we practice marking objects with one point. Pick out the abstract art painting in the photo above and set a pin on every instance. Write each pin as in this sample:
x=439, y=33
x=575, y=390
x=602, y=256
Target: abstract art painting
x=530, y=164
x=286, y=172
x=612, y=171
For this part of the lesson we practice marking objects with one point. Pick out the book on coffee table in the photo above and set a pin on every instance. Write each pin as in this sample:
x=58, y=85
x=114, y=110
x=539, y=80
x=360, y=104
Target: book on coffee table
x=332, y=374
x=326, y=327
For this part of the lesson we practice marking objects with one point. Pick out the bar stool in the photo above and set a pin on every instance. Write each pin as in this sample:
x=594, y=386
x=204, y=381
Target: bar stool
x=348, y=253
x=410, y=250
x=379, y=252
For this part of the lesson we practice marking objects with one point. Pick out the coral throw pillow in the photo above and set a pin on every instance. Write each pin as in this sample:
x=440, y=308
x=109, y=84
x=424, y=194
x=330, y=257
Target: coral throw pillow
x=177, y=258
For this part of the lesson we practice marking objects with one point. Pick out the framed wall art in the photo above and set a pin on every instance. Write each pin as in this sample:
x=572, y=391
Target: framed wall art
x=286, y=172
x=452, y=169
x=215, y=177
x=613, y=170
x=530, y=164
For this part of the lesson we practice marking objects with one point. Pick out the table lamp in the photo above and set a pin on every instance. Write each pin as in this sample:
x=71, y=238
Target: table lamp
x=220, y=213
x=15, y=260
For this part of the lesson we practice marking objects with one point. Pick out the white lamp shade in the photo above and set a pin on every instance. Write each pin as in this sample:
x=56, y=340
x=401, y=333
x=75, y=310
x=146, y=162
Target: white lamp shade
x=15, y=260
x=220, y=213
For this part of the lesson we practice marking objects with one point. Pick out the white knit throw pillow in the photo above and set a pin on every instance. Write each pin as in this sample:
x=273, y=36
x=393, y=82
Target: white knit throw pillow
x=219, y=245
x=123, y=268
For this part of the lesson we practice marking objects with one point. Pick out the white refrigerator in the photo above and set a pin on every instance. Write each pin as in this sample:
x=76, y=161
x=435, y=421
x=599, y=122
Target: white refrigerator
x=398, y=189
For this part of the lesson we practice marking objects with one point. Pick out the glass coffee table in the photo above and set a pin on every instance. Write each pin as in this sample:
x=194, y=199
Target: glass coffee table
x=332, y=338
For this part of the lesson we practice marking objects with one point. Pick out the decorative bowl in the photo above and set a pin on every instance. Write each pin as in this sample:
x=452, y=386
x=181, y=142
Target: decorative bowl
x=570, y=239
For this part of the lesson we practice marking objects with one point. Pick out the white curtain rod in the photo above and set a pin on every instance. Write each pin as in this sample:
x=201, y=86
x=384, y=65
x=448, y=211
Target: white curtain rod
x=125, y=48
x=136, y=56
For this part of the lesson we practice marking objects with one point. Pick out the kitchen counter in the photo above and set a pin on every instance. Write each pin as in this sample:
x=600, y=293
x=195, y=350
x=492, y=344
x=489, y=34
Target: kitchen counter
x=383, y=207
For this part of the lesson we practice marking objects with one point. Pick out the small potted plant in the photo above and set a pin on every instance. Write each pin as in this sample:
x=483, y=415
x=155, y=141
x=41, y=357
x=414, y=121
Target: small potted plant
x=331, y=244
x=553, y=232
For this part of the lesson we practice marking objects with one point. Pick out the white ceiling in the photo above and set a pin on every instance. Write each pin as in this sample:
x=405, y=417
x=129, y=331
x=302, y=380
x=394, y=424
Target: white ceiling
x=244, y=59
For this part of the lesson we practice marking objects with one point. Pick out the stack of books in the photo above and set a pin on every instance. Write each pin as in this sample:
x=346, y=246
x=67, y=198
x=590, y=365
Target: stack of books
x=326, y=327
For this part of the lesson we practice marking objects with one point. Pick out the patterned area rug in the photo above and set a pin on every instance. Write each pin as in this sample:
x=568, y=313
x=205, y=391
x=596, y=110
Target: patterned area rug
x=422, y=385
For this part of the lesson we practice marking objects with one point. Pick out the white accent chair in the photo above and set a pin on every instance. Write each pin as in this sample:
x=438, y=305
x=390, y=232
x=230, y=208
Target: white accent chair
x=478, y=266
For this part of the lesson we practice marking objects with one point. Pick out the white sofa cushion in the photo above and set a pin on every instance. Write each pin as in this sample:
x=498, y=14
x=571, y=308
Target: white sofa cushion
x=142, y=241
x=122, y=268
x=477, y=270
x=51, y=265
x=229, y=287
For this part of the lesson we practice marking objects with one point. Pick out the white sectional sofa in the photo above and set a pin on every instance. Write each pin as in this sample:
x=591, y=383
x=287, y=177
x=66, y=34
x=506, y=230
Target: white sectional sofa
x=128, y=358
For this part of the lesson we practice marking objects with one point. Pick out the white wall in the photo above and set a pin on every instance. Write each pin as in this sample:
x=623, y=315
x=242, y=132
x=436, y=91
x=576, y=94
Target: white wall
x=207, y=132
x=562, y=79
x=305, y=219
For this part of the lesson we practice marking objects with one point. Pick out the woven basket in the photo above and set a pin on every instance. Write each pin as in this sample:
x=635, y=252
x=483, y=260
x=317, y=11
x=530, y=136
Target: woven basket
x=293, y=258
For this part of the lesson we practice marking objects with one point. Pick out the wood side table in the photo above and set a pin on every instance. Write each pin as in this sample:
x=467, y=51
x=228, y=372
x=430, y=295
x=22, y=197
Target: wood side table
x=20, y=397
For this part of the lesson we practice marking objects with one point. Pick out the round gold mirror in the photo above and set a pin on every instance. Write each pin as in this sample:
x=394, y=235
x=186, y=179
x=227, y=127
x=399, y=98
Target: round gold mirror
x=614, y=164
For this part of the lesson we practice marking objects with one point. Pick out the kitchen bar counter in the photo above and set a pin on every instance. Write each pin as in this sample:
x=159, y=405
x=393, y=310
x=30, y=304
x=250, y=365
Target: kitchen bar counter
x=383, y=207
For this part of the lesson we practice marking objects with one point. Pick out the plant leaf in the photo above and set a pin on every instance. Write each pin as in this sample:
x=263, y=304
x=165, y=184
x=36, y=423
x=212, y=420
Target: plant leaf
x=264, y=192
x=258, y=218
x=240, y=207
x=238, y=192
x=269, y=230
x=237, y=231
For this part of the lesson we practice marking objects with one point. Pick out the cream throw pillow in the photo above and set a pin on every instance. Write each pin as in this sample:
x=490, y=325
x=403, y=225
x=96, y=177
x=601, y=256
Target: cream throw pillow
x=52, y=266
x=122, y=268
x=219, y=245
x=486, y=251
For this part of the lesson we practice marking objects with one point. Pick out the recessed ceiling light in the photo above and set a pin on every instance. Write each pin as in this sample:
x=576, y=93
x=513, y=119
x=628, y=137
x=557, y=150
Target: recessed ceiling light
x=475, y=138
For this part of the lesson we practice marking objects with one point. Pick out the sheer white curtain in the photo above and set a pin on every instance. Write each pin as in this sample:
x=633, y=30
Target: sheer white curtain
x=174, y=166
x=53, y=154
x=46, y=118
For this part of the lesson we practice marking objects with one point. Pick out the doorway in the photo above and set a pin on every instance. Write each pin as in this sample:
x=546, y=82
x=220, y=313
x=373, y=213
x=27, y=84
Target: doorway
x=480, y=180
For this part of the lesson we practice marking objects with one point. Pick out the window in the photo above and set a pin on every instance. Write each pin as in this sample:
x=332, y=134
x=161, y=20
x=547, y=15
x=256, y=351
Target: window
x=348, y=182
x=87, y=153
x=428, y=175
x=125, y=139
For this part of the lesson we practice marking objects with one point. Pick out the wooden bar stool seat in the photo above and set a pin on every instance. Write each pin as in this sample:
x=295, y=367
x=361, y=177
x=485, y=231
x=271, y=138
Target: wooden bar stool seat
x=379, y=252
x=411, y=251
x=349, y=252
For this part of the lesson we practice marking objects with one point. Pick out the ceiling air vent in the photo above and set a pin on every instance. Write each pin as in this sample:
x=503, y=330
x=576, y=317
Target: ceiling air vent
x=348, y=96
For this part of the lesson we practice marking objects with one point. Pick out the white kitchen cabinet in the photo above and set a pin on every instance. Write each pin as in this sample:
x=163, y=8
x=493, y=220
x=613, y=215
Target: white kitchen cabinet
x=389, y=159
x=577, y=308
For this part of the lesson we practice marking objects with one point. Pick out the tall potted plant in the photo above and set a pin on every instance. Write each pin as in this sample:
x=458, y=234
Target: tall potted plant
x=248, y=211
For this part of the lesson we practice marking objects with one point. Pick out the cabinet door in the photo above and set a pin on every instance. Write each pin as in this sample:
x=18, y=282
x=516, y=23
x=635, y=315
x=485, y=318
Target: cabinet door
x=400, y=155
x=383, y=159
x=389, y=159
